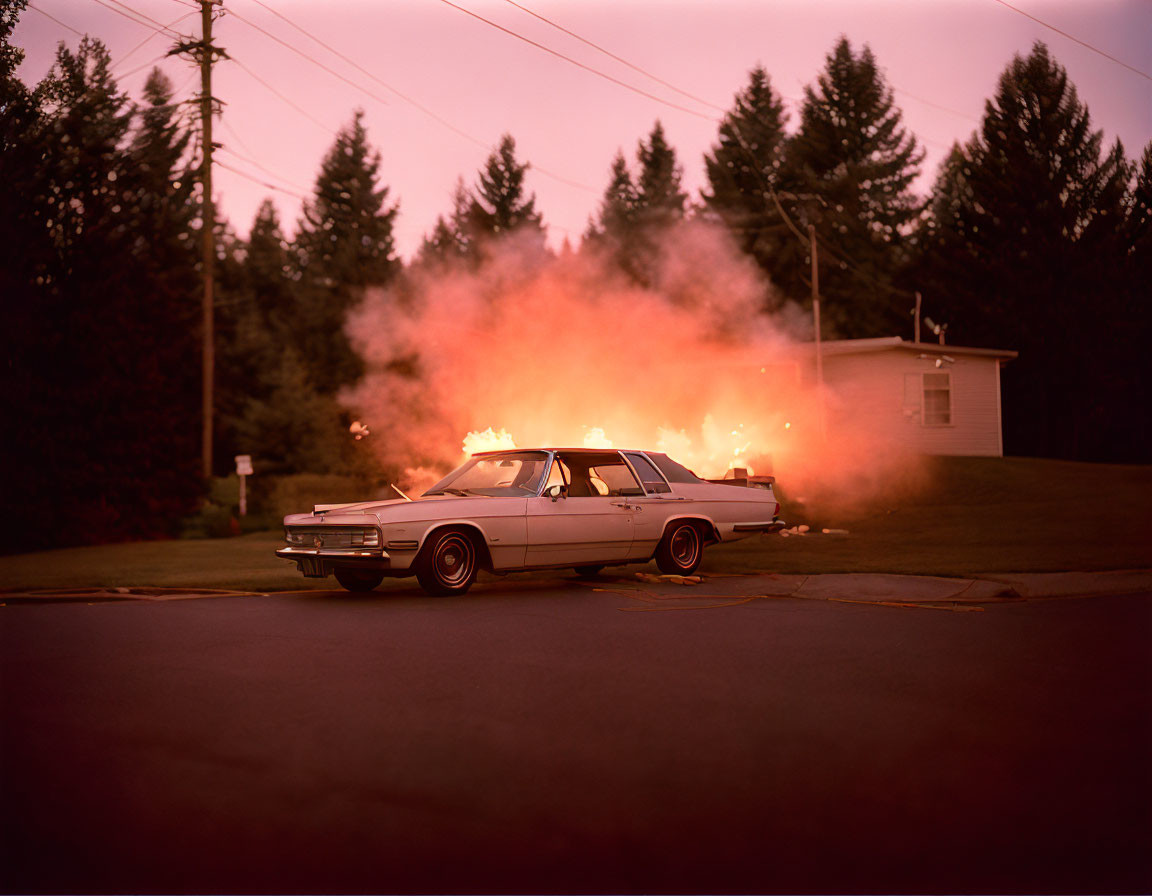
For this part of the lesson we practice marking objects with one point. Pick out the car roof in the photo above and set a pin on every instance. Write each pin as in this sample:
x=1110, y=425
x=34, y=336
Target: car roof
x=565, y=450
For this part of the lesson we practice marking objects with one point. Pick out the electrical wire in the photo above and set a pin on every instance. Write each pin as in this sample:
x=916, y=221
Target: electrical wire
x=316, y=121
x=310, y=58
x=419, y=106
x=262, y=183
x=581, y=65
x=134, y=16
x=33, y=6
x=251, y=161
x=131, y=72
x=611, y=55
x=1070, y=37
x=151, y=37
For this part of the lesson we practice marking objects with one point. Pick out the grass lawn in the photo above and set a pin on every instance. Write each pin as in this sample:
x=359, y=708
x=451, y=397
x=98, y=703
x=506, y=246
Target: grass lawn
x=977, y=515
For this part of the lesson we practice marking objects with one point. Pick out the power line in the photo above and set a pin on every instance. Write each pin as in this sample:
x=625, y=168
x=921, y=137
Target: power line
x=310, y=58
x=1070, y=37
x=921, y=99
x=316, y=121
x=483, y=144
x=251, y=161
x=56, y=20
x=352, y=62
x=136, y=16
x=581, y=65
x=619, y=59
x=130, y=73
x=150, y=37
x=262, y=183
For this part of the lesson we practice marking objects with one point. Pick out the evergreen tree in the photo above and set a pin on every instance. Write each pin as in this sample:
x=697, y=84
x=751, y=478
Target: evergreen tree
x=851, y=165
x=615, y=230
x=742, y=169
x=1023, y=251
x=635, y=214
x=451, y=240
x=1138, y=224
x=660, y=201
x=344, y=245
x=499, y=205
x=107, y=355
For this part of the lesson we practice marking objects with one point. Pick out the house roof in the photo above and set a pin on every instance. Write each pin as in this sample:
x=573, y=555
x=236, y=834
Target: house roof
x=895, y=343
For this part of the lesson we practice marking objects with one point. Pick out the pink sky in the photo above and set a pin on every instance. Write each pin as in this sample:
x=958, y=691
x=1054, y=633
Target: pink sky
x=943, y=57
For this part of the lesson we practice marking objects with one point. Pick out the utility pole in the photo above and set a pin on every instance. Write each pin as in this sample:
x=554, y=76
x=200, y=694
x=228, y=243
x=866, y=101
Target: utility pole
x=816, y=321
x=208, y=236
x=205, y=54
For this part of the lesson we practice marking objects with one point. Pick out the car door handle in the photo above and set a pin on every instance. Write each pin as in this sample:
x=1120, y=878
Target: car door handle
x=627, y=506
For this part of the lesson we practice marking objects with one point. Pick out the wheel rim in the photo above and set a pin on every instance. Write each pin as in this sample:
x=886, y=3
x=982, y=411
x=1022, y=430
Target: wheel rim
x=453, y=560
x=685, y=546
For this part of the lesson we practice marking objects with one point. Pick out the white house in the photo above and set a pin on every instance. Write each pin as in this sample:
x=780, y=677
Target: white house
x=935, y=399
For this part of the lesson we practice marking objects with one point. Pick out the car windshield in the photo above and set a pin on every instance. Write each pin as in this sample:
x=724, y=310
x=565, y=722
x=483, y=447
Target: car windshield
x=510, y=474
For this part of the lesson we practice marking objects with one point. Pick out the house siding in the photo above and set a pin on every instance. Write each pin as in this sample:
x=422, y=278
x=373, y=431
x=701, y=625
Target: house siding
x=868, y=390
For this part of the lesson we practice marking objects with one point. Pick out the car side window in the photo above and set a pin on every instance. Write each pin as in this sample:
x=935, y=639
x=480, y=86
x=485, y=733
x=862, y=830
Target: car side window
x=653, y=482
x=558, y=475
x=614, y=480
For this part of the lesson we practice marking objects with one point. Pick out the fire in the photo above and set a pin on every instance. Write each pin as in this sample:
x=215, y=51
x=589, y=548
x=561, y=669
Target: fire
x=488, y=440
x=531, y=350
x=595, y=438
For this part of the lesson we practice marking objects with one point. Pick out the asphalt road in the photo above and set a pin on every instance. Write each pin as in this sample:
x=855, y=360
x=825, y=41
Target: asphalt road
x=560, y=739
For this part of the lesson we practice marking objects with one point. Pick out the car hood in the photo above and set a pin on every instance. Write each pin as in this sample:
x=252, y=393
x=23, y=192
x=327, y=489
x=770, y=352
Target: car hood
x=397, y=509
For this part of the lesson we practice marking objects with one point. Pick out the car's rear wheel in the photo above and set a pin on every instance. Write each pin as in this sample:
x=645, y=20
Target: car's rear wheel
x=587, y=572
x=358, y=580
x=447, y=564
x=680, y=550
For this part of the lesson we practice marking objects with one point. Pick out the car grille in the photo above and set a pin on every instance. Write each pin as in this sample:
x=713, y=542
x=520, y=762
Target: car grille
x=332, y=538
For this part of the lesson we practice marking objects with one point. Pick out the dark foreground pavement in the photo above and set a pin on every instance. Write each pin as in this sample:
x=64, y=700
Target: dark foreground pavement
x=564, y=739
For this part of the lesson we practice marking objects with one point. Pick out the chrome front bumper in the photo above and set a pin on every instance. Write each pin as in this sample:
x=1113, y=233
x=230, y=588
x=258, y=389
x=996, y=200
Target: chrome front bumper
x=317, y=563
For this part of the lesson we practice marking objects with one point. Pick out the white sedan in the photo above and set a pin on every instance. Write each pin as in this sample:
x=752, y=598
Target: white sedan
x=505, y=511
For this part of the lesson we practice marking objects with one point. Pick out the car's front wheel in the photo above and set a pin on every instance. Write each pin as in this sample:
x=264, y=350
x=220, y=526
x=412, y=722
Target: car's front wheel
x=447, y=564
x=358, y=580
x=680, y=550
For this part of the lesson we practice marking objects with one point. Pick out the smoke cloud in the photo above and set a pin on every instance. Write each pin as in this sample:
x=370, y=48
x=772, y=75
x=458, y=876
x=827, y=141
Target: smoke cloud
x=530, y=350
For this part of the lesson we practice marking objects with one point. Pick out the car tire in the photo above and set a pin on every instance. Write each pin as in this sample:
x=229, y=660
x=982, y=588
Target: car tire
x=587, y=572
x=680, y=550
x=447, y=564
x=358, y=580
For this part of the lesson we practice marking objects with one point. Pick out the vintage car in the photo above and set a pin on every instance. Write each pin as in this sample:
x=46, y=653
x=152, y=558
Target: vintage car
x=506, y=511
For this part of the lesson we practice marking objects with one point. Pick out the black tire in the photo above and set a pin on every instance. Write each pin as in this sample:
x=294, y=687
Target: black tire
x=680, y=550
x=358, y=580
x=447, y=564
x=587, y=572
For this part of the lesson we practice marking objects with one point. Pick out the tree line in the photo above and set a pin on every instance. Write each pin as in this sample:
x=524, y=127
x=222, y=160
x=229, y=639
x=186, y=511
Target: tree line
x=1035, y=237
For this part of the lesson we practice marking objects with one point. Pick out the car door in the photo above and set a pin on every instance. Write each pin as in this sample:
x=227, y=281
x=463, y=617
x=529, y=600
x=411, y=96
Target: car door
x=659, y=504
x=581, y=528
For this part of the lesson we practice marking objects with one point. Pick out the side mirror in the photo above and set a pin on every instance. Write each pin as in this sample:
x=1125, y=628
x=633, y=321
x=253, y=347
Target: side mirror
x=556, y=491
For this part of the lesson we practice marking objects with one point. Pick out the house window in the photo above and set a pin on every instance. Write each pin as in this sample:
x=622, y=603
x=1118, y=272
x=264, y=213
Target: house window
x=937, y=399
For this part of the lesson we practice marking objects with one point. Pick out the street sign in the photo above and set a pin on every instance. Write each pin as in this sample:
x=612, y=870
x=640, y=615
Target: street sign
x=244, y=464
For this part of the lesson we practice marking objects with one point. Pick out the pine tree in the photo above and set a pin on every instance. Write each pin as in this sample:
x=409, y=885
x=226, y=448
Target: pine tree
x=344, y=245
x=499, y=205
x=1023, y=251
x=451, y=240
x=660, y=200
x=851, y=165
x=615, y=231
x=635, y=215
x=744, y=167
x=107, y=357
x=1138, y=224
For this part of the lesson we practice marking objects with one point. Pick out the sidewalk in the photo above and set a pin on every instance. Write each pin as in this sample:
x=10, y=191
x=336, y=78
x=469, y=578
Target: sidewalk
x=869, y=588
